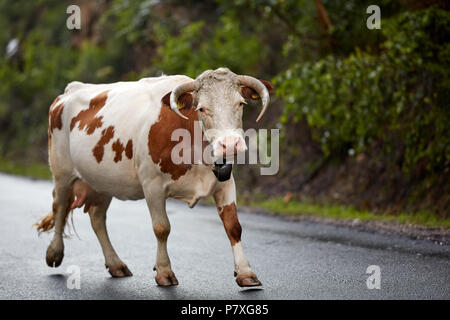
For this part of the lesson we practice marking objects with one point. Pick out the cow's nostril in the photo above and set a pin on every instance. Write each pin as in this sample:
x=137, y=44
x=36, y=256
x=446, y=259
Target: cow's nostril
x=230, y=145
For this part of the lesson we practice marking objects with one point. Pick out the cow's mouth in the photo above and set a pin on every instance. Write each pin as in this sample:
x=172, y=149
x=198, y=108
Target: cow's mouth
x=222, y=170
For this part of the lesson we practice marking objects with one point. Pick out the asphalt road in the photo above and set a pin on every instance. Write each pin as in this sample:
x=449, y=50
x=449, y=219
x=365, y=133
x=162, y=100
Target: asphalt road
x=293, y=260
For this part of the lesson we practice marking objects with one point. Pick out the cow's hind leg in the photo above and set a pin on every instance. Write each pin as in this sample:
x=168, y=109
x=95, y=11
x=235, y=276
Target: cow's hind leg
x=161, y=226
x=62, y=197
x=97, y=214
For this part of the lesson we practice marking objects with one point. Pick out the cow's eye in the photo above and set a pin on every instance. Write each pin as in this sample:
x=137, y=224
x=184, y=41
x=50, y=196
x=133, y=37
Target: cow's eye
x=201, y=109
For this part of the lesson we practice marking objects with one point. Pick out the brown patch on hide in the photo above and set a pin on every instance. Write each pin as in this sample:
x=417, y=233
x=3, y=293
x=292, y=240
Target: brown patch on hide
x=231, y=223
x=159, y=137
x=87, y=119
x=55, y=117
x=99, y=149
x=55, y=102
x=129, y=149
x=54, y=121
x=118, y=148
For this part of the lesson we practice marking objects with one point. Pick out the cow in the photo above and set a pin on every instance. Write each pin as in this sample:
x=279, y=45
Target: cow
x=114, y=140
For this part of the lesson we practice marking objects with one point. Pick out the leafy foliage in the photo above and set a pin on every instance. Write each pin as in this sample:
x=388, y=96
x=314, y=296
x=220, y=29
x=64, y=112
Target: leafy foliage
x=188, y=54
x=399, y=97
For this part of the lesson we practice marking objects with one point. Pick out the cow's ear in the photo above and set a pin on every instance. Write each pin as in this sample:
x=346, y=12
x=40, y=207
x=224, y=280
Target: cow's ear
x=184, y=101
x=249, y=93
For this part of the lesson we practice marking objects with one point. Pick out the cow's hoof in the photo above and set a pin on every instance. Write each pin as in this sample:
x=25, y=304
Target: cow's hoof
x=248, y=279
x=166, y=279
x=53, y=257
x=119, y=271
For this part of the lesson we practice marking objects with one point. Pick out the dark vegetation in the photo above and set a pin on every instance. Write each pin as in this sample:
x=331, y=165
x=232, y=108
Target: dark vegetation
x=364, y=114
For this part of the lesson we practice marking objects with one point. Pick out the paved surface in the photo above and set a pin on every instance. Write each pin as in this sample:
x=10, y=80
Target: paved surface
x=293, y=260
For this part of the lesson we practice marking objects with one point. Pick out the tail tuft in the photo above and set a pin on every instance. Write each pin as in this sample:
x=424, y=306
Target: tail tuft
x=46, y=223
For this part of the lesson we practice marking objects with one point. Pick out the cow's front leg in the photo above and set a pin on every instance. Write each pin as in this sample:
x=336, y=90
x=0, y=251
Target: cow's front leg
x=225, y=197
x=156, y=202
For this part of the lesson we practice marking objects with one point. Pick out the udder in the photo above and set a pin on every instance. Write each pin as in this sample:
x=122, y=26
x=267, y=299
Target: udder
x=85, y=196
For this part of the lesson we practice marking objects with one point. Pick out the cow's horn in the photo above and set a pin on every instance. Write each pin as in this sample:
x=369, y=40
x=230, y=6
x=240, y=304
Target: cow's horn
x=260, y=88
x=177, y=92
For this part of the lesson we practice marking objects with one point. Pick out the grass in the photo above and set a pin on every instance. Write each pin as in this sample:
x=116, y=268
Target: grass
x=33, y=170
x=295, y=207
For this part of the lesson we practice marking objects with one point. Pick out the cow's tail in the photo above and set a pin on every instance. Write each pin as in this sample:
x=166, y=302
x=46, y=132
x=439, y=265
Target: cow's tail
x=47, y=222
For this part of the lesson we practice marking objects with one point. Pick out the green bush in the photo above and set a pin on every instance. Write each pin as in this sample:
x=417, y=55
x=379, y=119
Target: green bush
x=399, y=96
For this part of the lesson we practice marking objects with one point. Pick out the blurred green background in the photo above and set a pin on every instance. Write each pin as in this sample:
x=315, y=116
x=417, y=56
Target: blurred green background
x=364, y=114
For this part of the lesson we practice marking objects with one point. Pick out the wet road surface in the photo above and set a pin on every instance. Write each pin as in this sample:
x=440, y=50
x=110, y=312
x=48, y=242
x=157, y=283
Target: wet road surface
x=293, y=260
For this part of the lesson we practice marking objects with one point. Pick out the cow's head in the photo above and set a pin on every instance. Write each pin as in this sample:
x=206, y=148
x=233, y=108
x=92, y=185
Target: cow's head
x=219, y=96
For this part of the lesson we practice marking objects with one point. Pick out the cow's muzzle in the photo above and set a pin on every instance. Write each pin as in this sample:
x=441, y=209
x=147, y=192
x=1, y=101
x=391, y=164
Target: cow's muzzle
x=222, y=171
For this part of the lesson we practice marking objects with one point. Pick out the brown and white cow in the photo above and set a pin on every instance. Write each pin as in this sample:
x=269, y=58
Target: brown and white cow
x=114, y=140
